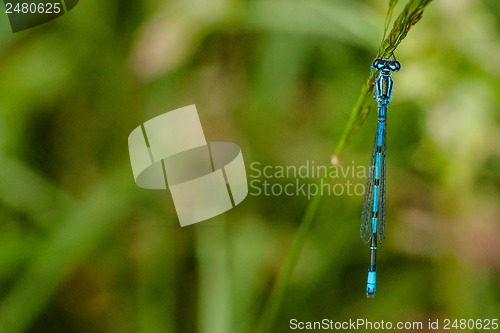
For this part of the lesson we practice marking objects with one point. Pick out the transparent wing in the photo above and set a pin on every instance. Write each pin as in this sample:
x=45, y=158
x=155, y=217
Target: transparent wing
x=366, y=215
x=381, y=214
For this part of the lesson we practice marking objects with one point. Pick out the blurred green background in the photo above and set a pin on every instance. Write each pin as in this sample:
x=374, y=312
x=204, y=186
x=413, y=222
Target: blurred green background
x=83, y=249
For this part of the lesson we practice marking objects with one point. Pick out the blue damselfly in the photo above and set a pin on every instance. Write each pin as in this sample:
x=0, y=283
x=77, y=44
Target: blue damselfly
x=373, y=215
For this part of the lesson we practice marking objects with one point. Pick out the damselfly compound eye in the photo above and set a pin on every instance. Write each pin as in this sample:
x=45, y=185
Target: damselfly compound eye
x=378, y=64
x=394, y=65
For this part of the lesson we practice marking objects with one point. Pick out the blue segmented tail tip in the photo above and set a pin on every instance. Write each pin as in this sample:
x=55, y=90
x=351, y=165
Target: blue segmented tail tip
x=371, y=283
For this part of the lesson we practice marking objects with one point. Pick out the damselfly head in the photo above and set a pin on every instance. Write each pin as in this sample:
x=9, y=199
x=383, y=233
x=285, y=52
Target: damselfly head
x=387, y=64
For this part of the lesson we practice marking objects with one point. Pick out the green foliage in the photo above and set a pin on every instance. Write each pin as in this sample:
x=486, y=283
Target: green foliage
x=83, y=249
x=411, y=14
